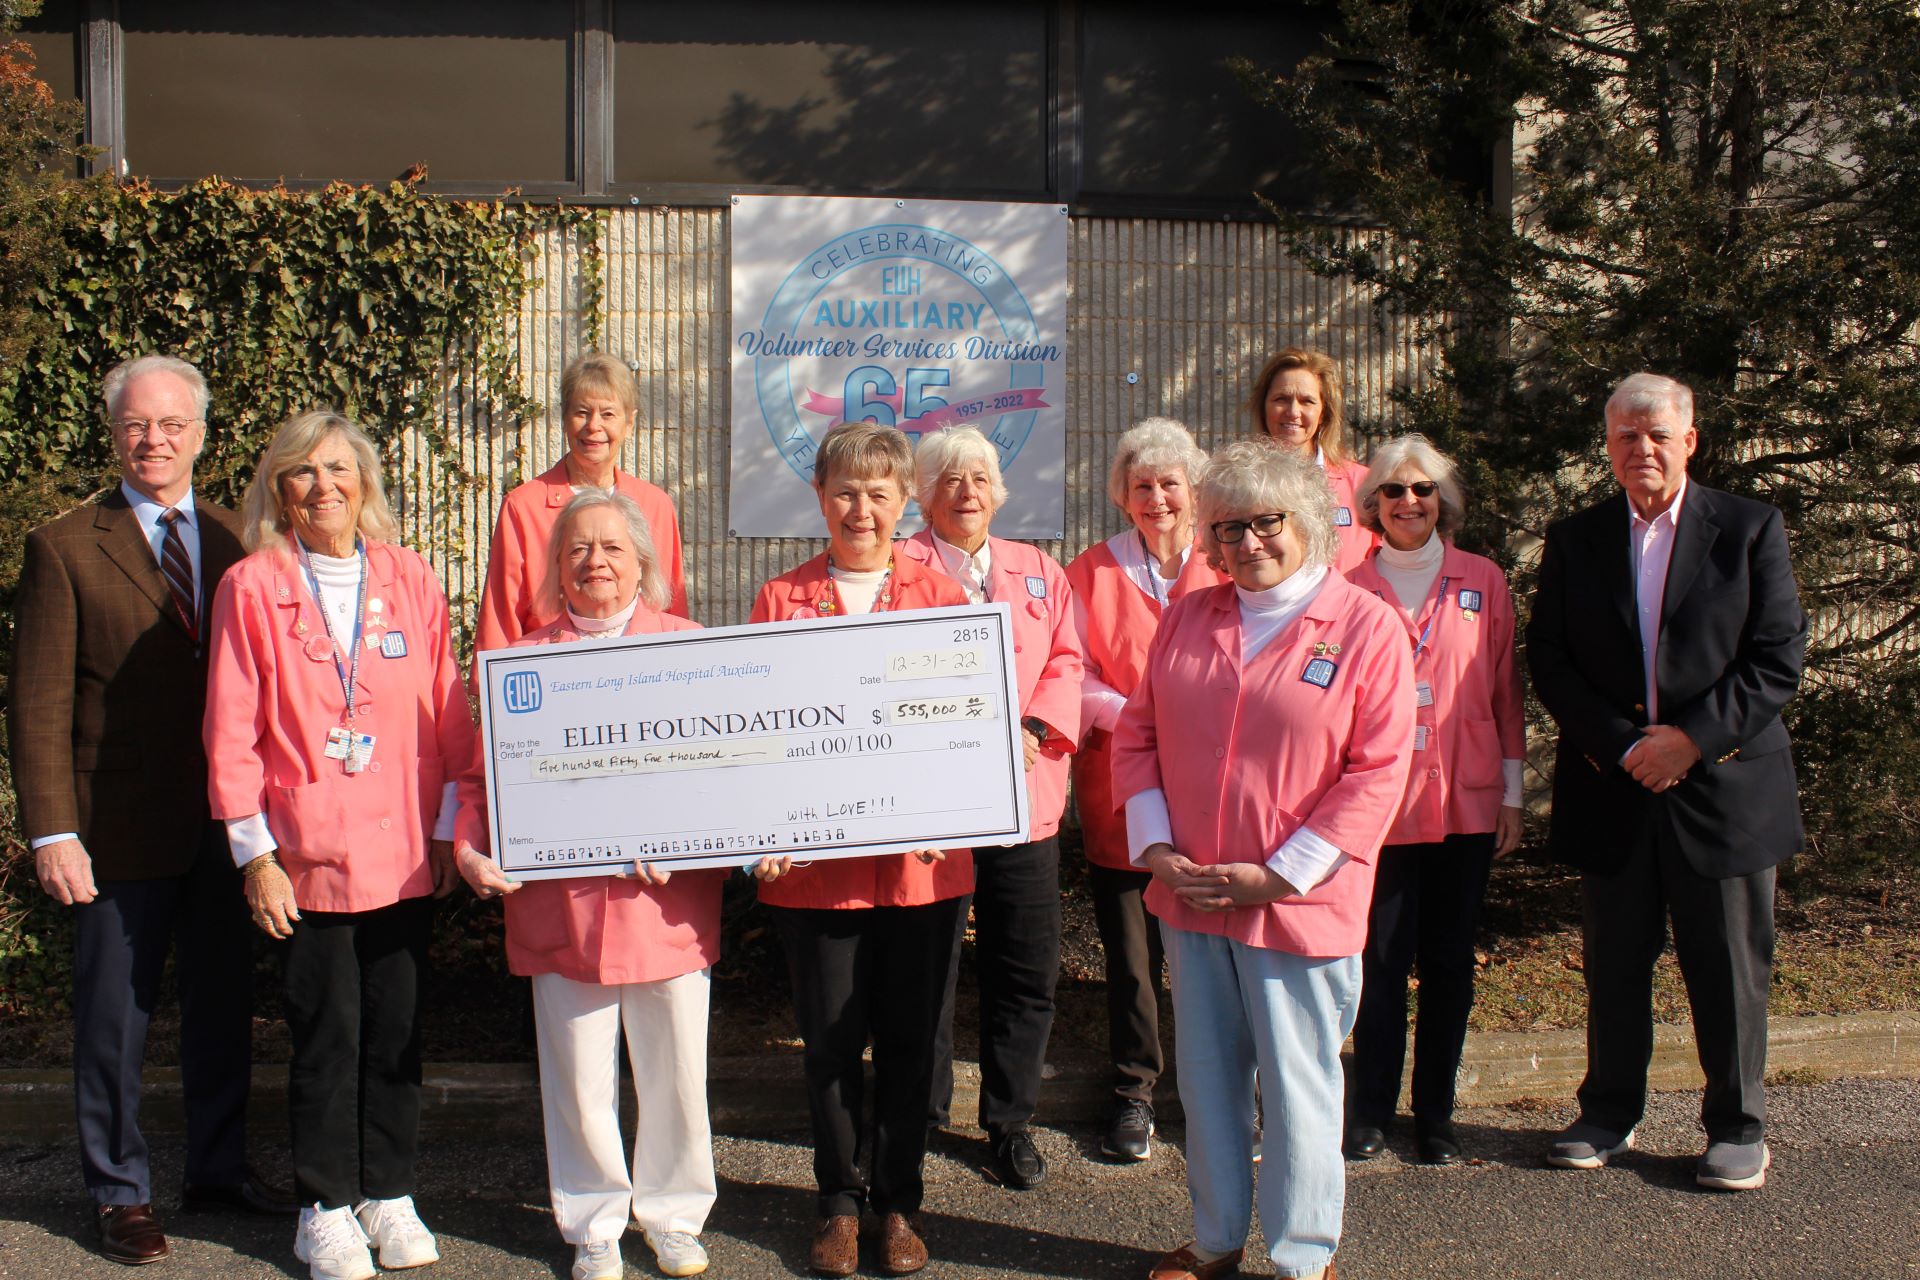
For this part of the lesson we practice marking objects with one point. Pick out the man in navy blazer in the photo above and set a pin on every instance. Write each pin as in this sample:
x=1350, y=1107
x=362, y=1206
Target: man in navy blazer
x=1666, y=636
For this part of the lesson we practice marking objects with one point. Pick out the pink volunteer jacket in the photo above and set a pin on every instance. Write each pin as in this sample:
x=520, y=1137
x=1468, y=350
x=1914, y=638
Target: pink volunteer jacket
x=349, y=842
x=1477, y=718
x=1046, y=653
x=1356, y=540
x=893, y=880
x=518, y=558
x=601, y=928
x=1246, y=757
x=1121, y=621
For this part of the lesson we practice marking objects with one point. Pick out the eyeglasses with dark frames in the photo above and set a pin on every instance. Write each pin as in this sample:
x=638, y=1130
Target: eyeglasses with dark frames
x=1228, y=532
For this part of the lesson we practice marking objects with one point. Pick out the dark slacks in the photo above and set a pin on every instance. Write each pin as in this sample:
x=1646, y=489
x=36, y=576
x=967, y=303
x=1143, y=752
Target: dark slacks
x=869, y=973
x=353, y=1091
x=1425, y=910
x=1130, y=937
x=1016, y=955
x=1723, y=939
x=120, y=944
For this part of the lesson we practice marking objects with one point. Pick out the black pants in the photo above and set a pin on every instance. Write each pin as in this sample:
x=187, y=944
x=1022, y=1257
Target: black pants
x=120, y=944
x=353, y=1092
x=1130, y=936
x=1426, y=908
x=1723, y=939
x=869, y=973
x=1016, y=954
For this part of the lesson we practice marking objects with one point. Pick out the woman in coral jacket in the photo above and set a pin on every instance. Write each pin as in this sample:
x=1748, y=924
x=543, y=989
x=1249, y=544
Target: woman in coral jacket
x=613, y=955
x=599, y=404
x=336, y=722
x=869, y=941
x=1298, y=402
x=1121, y=588
x=1016, y=896
x=1261, y=761
x=1462, y=807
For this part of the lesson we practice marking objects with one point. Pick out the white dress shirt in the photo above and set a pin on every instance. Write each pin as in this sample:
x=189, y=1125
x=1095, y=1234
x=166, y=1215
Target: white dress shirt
x=969, y=570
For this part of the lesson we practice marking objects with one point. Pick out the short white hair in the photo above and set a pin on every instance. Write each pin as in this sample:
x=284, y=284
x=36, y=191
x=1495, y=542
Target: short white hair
x=1254, y=477
x=1417, y=449
x=115, y=384
x=947, y=451
x=1157, y=444
x=1641, y=393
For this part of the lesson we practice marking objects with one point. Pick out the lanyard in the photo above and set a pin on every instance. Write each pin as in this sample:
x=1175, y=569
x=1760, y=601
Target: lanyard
x=1153, y=574
x=349, y=675
x=1439, y=602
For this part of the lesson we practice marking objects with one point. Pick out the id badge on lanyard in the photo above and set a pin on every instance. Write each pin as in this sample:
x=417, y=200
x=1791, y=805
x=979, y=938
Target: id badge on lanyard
x=353, y=750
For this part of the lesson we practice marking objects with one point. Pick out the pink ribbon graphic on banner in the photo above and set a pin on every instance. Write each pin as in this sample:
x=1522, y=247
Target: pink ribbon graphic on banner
x=833, y=407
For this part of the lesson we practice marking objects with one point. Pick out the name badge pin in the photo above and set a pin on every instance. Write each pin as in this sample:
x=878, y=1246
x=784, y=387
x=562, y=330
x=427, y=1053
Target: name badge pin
x=1319, y=646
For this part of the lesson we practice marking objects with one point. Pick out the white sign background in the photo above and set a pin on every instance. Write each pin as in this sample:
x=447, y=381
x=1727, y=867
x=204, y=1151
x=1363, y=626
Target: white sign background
x=918, y=313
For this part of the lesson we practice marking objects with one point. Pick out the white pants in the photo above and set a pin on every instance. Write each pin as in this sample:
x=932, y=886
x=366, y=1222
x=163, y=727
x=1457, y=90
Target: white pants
x=578, y=1026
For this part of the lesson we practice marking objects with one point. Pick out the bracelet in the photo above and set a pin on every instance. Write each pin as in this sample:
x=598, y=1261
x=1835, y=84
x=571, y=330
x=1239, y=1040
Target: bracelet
x=257, y=867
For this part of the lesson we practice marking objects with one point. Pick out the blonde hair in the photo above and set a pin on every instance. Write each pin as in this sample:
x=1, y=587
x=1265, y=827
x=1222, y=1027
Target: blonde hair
x=1254, y=477
x=597, y=373
x=943, y=451
x=264, y=518
x=1332, y=435
x=653, y=583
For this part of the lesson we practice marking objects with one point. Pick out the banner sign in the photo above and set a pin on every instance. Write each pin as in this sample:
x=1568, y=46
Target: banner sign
x=921, y=314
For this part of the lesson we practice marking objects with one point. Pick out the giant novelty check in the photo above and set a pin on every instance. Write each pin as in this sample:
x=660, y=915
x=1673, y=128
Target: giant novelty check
x=820, y=738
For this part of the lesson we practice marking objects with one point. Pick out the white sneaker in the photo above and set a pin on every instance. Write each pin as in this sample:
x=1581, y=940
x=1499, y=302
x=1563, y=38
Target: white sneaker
x=332, y=1245
x=677, y=1253
x=397, y=1232
x=598, y=1260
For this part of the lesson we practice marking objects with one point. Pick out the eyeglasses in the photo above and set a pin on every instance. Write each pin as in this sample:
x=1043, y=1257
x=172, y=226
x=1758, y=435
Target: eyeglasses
x=1421, y=489
x=136, y=428
x=1228, y=532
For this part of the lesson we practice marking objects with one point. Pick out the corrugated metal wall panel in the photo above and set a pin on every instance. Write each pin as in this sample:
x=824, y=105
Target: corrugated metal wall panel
x=1187, y=307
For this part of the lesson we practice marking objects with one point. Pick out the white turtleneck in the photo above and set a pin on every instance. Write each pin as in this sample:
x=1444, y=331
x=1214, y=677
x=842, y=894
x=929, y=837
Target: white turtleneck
x=858, y=591
x=600, y=628
x=1411, y=573
x=1304, y=860
x=337, y=590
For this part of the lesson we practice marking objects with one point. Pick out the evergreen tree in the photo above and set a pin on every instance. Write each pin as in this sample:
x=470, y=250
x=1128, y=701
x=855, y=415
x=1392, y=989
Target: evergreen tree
x=1726, y=191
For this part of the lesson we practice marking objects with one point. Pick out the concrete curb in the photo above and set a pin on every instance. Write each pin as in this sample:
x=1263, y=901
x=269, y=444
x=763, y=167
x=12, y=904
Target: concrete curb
x=765, y=1094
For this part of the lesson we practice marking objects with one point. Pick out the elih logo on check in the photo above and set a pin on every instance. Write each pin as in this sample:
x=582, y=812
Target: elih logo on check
x=520, y=692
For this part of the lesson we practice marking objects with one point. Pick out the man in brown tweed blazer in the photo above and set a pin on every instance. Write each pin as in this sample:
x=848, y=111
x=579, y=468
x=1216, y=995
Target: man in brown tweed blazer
x=108, y=687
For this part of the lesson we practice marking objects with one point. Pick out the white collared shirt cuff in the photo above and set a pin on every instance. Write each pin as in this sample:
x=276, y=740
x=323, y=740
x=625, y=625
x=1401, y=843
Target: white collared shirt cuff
x=1148, y=823
x=1105, y=706
x=1631, y=748
x=1513, y=793
x=249, y=838
x=46, y=840
x=443, y=825
x=1305, y=860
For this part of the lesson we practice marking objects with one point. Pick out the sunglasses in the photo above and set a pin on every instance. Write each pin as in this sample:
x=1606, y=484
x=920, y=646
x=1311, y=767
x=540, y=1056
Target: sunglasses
x=1421, y=489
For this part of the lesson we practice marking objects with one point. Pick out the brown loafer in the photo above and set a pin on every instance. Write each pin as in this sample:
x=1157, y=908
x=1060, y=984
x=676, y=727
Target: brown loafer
x=130, y=1233
x=836, y=1246
x=902, y=1251
x=1181, y=1264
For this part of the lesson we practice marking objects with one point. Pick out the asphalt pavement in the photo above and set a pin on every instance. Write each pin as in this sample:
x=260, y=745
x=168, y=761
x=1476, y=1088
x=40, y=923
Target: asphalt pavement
x=1843, y=1200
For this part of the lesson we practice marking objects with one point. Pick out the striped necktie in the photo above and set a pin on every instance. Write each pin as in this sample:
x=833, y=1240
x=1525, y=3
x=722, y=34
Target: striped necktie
x=178, y=569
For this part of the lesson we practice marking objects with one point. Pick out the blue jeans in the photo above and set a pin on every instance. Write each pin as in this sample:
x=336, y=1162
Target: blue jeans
x=1238, y=1008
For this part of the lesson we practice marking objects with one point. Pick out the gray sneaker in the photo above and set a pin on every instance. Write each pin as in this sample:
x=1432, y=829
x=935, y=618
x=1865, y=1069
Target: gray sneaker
x=1734, y=1166
x=1587, y=1146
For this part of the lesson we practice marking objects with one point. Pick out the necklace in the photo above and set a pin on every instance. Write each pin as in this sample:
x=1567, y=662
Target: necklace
x=830, y=598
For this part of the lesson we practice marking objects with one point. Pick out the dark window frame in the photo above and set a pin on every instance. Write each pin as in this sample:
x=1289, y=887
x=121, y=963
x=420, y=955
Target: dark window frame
x=103, y=58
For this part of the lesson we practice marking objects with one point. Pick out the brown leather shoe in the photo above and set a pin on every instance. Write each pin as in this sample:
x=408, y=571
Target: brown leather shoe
x=1181, y=1264
x=902, y=1252
x=130, y=1233
x=836, y=1246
